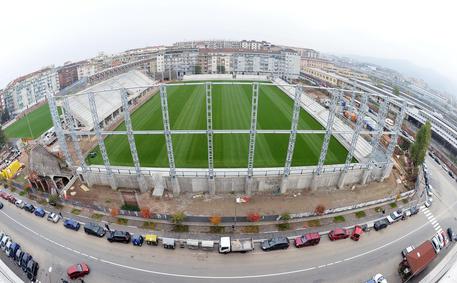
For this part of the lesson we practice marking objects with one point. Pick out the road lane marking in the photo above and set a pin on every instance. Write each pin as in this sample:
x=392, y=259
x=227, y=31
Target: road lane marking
x=224, y=277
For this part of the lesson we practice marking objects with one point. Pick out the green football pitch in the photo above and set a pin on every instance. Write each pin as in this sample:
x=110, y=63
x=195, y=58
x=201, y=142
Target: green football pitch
x=31, y=126
x=231, y=110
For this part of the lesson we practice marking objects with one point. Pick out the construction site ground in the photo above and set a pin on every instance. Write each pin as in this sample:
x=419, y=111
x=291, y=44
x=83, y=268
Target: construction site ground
x=225, y=205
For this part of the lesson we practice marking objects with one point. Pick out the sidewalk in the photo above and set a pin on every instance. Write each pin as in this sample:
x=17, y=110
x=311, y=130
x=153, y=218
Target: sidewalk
x=446, y=270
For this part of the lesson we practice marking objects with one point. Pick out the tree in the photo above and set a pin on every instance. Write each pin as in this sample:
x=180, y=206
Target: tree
x=253, y=217
x=320, y=209
x=198, y=69
x=215, y=219
x=145, y=212
x=396, y=91
x=5, y=116
x=2, y=139
x=114, y=211
x=419, y=148
x=178, y=217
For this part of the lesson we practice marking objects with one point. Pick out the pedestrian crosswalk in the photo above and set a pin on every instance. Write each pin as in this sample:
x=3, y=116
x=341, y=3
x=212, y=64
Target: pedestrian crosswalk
x=436, y=225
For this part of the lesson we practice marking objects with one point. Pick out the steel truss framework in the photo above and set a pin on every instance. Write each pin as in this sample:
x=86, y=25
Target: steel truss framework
x=209, y=132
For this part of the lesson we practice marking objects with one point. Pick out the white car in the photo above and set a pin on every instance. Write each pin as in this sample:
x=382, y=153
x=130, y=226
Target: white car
x=429, y=202
x=379, y=278
x=8, y=246
x=54, y=217
x=20, y=203
x=395, y=216
x=4, y=241
x=440, y=239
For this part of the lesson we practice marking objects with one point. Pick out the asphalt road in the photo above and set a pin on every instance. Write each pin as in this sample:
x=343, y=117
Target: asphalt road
x=54, y=246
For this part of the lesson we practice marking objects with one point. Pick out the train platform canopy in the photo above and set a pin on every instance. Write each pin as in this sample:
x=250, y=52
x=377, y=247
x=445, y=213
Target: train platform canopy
x=107, y=96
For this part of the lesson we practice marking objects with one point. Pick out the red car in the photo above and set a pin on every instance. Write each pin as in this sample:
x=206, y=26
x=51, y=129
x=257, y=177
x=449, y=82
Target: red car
x=78, y=270
x=4, y=195
x=338, y=233
x=309, y=239
x=356, y=233
x=11, y=199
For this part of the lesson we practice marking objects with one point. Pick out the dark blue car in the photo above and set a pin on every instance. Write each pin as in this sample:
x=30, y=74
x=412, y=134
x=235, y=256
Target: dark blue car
x=13, y=250
x=137, y=240
x=71, y=224
x=40, y=212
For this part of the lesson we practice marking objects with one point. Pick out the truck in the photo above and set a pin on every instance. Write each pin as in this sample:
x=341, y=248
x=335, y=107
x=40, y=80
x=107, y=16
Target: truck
x=227, y=245
x=416, y=260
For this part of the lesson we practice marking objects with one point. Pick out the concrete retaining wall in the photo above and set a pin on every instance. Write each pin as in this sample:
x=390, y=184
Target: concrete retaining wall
x=327, y=180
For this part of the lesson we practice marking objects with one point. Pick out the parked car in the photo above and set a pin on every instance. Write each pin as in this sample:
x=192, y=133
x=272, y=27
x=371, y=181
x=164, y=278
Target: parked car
x=407, y=250
x=4, y=241
x=54, y=217
x=94, y=229
x=19, y=257
x=119, y=236
x=436, y=244
x=428, y=202
x=78, y=270
x=441, y=239
x=450, y=234
x=137, y=240
x=26, y=257
x=11, y=199
x=356, y=233
x=381, y=224
x=1, y=205
x=40, y=212
x=414, y=210
x=32, y=270
x=310, y=239
x=29, y=207
x=429, y=190
x=71, y=224
x=4, y=195
x=8, y=247
x=379, y=278
x=19, y=203
x=338, y=233
x=395, y=216
x=13, y=249
x=276, y=243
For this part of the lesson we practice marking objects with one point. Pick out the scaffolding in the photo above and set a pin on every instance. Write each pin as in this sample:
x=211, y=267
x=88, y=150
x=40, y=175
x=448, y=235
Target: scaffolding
x=329, y=129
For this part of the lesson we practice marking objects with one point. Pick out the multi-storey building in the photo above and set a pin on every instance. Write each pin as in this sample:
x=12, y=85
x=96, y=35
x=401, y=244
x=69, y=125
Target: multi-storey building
x=68, y=74
x=87, y=69
x=28, y=90
x=208, y=44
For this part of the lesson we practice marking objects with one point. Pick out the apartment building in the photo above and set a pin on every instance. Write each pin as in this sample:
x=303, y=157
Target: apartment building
x=28, y=90
x=68, y=74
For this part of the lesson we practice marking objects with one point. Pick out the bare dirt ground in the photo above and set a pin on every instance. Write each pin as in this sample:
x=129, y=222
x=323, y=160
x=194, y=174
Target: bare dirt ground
x=225, y=205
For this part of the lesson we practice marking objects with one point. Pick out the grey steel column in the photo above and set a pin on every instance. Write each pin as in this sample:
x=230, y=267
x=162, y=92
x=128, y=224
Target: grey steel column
x=375, y=142
x=71, y=124
x=292, y=139
x=328, y=134
x=355, y=137
x=394, y=138
x=209, y=128
x=58, y=127
x=253, y=130
x=131, y=139
x=101, y=142
x=168, y=138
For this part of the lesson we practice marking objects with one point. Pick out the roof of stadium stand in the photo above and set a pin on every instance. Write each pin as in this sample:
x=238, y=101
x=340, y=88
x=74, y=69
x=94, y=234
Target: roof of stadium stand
x=107, y=96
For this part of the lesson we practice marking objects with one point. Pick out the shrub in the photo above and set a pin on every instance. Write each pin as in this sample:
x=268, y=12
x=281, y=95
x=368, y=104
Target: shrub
x=253, y=217
x=149, y=225
x=114, y=211
x=320, y=209
x=283, y=226
x=181, y=228
x=122, y=221
x=52, y=199
x=96, y=216
x=22, y=193
x=360, y=214
x=405, y=200
x=314, y=223
x=378, y=209
x=178, y=217
x=250, y=229
x=145, y=212
x=217, y=229
x=130, y=207
x=285, y=216
x=339, y=219
x=215, y=219
x=393, y=204
x=76, y=211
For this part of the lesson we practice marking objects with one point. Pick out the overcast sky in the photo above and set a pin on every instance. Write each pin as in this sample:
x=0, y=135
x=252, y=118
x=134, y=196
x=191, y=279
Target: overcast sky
x=39, y=33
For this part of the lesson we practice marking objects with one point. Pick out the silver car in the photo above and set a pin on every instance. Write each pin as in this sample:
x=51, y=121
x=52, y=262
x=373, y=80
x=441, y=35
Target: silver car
x=54, y=217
